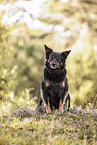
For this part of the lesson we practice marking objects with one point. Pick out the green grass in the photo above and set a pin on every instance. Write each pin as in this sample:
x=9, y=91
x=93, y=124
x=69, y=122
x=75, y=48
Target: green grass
x=21, y=125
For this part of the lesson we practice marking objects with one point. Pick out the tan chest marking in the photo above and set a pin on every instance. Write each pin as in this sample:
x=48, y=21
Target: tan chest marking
x=62, y=85
x=47, y=83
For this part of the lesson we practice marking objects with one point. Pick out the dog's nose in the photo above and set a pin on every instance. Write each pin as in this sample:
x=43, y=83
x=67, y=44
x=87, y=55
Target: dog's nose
x=53, y=64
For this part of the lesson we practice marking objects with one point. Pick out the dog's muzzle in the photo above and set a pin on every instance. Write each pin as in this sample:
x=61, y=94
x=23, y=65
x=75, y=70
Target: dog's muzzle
x=54, y=64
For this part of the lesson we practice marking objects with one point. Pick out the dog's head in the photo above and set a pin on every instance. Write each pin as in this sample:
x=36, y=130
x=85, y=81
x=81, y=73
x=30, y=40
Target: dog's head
x=55, y=60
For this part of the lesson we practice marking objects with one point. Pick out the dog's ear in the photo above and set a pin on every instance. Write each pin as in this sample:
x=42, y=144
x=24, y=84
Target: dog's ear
x=48, y=51
x=65, y=53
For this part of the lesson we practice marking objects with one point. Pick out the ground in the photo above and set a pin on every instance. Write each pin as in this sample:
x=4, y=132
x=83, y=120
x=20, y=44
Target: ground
x=20, y=124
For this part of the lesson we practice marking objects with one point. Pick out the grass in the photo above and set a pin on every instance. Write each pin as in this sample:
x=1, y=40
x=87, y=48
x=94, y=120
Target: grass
x=21, y=125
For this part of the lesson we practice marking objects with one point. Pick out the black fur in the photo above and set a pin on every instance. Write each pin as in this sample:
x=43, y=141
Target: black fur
x=54, y=86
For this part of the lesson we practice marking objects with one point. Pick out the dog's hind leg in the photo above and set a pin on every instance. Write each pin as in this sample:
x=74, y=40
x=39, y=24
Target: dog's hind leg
x=39, y=103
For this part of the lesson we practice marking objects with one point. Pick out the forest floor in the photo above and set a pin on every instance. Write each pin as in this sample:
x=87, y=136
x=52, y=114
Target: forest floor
x=20, y=125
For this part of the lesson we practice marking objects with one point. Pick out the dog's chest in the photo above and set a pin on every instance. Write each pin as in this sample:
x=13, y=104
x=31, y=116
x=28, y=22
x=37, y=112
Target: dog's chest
x=55, y=86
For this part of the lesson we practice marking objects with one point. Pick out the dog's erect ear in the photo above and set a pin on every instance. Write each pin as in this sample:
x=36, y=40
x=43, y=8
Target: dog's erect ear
x=65, y=53
x=48, y=51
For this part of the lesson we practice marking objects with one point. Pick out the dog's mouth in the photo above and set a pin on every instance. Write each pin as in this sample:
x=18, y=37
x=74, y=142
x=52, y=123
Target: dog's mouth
x=54, y=65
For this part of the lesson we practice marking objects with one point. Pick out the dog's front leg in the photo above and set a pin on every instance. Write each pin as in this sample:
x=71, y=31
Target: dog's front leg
x=46, y=101
x=62, y=102
x=47, y=106
x=61, y=106
x=67, y=103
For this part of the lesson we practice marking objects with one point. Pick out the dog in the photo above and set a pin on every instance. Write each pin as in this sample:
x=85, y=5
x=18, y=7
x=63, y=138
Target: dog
x=54, y=85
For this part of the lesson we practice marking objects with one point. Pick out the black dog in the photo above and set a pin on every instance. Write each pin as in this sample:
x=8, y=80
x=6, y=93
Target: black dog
x=54, y=86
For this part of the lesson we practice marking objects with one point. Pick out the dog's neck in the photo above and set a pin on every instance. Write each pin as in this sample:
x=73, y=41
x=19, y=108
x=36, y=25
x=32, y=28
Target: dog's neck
x=55, y=76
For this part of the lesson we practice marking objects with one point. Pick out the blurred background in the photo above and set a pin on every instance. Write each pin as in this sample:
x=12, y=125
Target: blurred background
x=26, y=26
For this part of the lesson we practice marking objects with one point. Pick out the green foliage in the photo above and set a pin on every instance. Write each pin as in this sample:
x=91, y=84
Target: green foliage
x=7, y=67
x=22, y=52
x=29, y=61
x=82, y=70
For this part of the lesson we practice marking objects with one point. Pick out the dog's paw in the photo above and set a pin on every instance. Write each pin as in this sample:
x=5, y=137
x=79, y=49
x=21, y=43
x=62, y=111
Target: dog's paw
x=48, y=109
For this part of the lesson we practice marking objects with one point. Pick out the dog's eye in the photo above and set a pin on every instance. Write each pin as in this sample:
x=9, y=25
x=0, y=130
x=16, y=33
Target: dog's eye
x=58, y=58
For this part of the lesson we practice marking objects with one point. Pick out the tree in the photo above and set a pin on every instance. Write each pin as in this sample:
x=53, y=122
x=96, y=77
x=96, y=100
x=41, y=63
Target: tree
x=23, y=56
x=7, y=67
x=82, y=70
